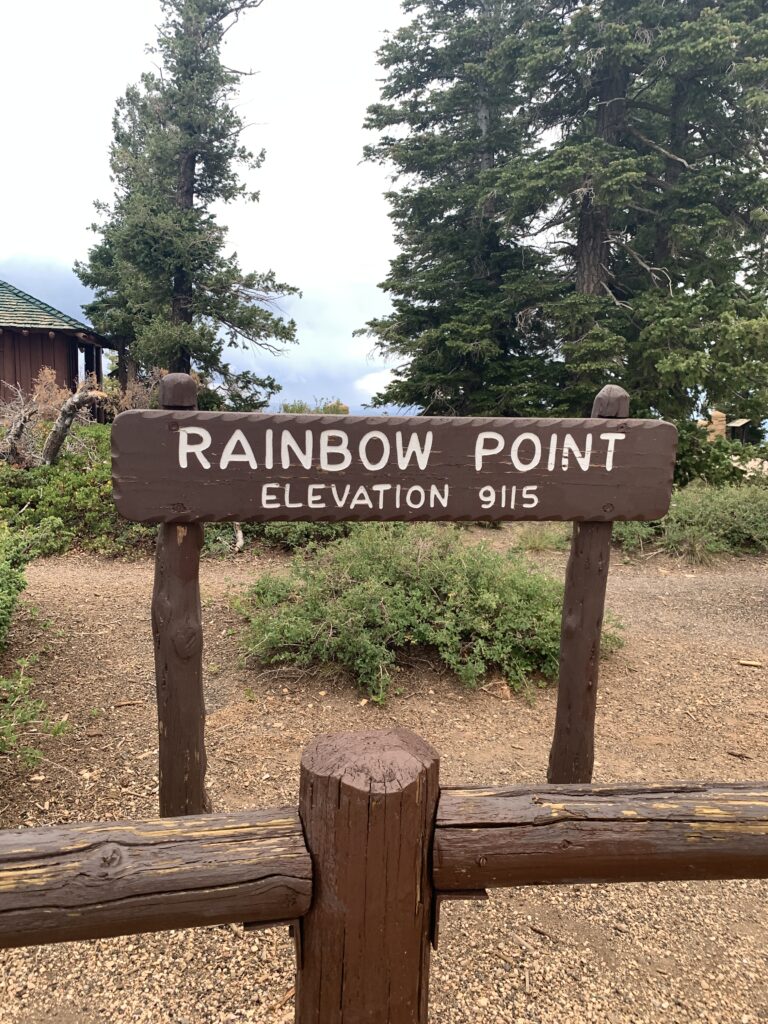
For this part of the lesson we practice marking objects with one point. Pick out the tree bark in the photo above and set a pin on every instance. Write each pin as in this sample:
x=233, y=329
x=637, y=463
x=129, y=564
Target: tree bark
x=58, y=435
x=181, y=301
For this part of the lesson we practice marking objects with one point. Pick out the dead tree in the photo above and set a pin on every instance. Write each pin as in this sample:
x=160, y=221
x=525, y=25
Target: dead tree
x=86, y=394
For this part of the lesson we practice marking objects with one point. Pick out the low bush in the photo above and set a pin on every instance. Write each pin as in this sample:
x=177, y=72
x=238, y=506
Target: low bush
x=718, y=462
x=54, y=508
x=386, y=589
x=704, y=522
x=11, y=579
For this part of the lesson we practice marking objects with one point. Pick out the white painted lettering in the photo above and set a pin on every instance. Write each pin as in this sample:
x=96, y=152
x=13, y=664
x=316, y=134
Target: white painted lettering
x=365, y=440
x=552, y=453
x=530, y=497
x=418, y=500
x=340, y=501
x=314, y=500
x=269, y=449
x=520, y=466
x=288, y=444
x=416, y=449
x=231, y=455
x=487, y=497
x=269, y=500
x=611, y=439
x=481, y=448
x=571, y=448
x=362, y=497
x=287, y=503
x=334, y=443
x=438, y=496
x=381, y=490
x=186, y=449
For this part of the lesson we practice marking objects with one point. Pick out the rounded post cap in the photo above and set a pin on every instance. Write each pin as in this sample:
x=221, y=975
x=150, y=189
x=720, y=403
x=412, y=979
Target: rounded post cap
x=612, y=402
x=178, y=391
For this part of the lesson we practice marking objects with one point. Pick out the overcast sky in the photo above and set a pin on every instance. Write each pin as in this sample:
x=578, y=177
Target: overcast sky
x=322, y=221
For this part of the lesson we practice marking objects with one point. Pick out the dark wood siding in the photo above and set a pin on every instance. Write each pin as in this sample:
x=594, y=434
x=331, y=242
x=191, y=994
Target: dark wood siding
x=23, y=356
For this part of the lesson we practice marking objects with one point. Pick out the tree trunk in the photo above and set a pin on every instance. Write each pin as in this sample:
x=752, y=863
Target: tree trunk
x=592, y=255
x=672, y=171
x=63, y=424
x=181, y=301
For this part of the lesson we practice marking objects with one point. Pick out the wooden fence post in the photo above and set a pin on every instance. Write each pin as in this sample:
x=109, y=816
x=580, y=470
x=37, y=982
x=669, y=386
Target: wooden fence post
x=572, y=756
x=177, y=628
x=368, y=803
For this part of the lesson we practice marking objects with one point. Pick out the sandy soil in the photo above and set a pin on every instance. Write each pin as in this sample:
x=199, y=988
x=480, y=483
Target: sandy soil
x=675, y=703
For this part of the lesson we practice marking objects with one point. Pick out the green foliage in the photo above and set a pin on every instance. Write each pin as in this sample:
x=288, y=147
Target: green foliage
x=321, y=406
x=18, y=712
x=582, y=200
x=12, y=580
x=53, y=508
x=389, y=588
x=465, y=328
x=543, y=536
x=706, y=521
x=166, y=288
x=714, y=462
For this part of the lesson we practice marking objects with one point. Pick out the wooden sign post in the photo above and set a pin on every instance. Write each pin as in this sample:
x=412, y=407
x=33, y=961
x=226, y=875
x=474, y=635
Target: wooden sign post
x=177, y=628
x=572, y=756
x=180, y=467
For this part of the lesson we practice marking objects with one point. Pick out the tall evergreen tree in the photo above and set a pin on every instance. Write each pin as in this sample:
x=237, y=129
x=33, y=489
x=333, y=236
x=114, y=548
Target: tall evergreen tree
x=639, y=169
x=465, y=324
x=165, y=287
x=655, y=191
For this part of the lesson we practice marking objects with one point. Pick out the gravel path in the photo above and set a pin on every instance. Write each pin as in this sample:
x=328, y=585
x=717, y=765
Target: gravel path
x=675, y=703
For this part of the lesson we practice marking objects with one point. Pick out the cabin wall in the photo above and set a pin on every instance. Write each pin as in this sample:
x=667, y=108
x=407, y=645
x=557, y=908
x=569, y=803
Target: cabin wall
x=23, y=356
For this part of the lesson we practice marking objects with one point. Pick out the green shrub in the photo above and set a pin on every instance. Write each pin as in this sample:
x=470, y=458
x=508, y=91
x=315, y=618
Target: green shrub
x=706, y=521
x=633, y=537
x=17, y=711
x=70, y=504
x=220, y=537
x=11, y=579
x=717, y=462
x=388, y=588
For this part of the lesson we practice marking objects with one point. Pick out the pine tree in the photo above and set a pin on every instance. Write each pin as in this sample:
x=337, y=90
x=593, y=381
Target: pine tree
x=633, y=165
x=656, y=193
x=165, y=287
x=465, y=322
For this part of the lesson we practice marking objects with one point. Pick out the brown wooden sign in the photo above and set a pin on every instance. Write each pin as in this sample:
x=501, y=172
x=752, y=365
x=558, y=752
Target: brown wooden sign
x=187, y=466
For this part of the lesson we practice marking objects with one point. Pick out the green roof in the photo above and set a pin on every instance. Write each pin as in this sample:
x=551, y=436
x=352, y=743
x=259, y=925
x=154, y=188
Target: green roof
x=17, y=309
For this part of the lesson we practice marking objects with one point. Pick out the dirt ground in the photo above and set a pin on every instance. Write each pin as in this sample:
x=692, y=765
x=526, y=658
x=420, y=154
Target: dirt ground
x=675, y=703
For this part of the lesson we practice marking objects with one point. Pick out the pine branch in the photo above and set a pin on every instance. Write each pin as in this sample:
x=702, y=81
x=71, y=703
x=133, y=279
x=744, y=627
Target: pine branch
x=660, y=149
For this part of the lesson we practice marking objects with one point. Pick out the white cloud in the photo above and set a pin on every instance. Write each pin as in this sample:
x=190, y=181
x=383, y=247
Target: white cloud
x=373, y=383
x=322, y=220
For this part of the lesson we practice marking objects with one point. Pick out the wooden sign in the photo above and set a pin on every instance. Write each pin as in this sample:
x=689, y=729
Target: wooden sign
x=188, y=466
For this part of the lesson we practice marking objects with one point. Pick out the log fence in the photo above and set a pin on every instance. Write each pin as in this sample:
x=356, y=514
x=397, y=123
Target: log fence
x=361, y=868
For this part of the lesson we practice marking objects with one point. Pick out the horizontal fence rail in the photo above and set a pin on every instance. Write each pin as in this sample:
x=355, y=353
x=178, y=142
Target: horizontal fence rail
x=569, y=834
x=95, y=881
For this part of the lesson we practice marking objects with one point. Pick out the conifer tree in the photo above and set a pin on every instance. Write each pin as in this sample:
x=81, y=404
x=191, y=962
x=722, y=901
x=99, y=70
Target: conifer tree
x=637, y=174
x=464, y=288
x=165, y=286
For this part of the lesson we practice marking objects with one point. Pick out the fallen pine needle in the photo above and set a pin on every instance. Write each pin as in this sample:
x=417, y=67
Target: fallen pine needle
x=281, y=1003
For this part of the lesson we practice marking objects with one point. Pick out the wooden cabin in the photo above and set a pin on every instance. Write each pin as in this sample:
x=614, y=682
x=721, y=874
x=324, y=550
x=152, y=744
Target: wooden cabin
x=34, y=334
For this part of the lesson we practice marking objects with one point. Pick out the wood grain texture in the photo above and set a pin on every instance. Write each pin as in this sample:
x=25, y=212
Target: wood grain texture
x=100, y=880
x=158, y=477
x=367, y=803
x=569, y=834
x=572, y=755
x=177, y=629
